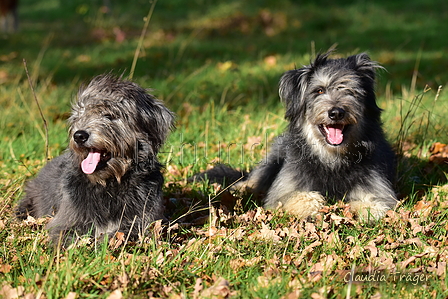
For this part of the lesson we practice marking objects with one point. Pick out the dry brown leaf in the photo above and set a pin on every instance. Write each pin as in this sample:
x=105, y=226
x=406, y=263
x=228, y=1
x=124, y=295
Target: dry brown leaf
x=438, y=147
x=8, y=292
x=176, y=296
x=351, y=239
x=391, y=217
x=386, y=261
x=415, y=241
x=405, y=263
x=315, y=275
x=373, y=249
x=252, y=143
x=347, y=212
x=71, y=295
x=317, y=296
x=5, y=268
x=329, y=262
x=441, y=268
x=293, y=295
x=332, y=239
x=260, y=215
x=160, y=259
x=355, y=252
x=439, y=153
x=310, y=230
x=338, y=220
x=198, y=287
x=220, y=289
x=123, y=280
x=238, y=263
x=423, y=208
x=263, y=281
x=270, y=60
x=117, y=240
x=115, y=295
x=173, y=170
x=305, y=251
x=237, y=234
x=268, y=234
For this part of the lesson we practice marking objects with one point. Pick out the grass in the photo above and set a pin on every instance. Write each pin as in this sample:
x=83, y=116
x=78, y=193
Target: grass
x=216, y=65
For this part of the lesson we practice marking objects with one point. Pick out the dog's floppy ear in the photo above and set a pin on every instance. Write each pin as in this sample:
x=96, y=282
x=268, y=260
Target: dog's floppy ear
x=293, y=85
x=292, y=88
x=366, y=70
x=364, y=66
x=157, y=121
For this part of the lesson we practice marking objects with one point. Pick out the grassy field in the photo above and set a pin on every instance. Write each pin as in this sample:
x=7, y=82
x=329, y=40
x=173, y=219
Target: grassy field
x=216, y=64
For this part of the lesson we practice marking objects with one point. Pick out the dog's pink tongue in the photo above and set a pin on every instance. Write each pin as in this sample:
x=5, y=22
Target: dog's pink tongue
x=334, y=134
x=89, y=164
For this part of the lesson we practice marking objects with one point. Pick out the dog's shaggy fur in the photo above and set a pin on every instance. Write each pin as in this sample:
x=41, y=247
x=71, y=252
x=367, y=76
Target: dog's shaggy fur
x=109, y=178
x=334, y=146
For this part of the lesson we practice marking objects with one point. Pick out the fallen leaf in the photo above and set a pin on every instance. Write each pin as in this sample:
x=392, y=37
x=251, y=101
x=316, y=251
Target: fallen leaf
x=441, y=268
x=355, y=252
x=439, y=153
x=305, y=251
x=438, y=147
x=198, y=287
x=414, y=241
x=317, y=296
x=405, y=263
x=423, y=208
x=115, y=295
x=373, y=250
x=263, y=281
x=5, y=268
x=253, y=142
x=270, y=60
x=71, y=295
x=293, y=295
x=117, y=240
x=8, y=292
x=220, y=289
x=268, y=234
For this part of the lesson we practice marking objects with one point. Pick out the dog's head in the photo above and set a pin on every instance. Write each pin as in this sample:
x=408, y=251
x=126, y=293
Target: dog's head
x=331, y=101
x=115, y=124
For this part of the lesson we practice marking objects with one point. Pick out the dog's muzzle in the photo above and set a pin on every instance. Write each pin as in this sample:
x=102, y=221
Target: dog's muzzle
x=96, y=158
x=334, y=133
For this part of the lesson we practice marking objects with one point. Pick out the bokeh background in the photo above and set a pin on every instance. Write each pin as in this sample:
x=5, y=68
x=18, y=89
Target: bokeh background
x=216, y=64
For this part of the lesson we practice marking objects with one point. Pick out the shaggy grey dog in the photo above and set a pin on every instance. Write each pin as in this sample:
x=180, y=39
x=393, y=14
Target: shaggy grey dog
x=109, y=178
x=334, y=146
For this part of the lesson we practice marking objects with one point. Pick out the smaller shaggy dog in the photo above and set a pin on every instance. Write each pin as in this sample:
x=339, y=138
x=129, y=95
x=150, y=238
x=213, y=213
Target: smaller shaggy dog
x=334, y=146
x=109, y=178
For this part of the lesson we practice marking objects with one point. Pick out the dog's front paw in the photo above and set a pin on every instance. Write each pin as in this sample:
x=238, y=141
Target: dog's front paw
x=301, y=204
x=369, y=211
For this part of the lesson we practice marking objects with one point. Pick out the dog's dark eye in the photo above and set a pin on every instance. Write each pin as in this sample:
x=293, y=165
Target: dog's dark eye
x=320, y=91
x=109, y=116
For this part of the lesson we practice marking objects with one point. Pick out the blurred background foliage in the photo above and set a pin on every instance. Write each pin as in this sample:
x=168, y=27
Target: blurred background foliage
x=217, y=63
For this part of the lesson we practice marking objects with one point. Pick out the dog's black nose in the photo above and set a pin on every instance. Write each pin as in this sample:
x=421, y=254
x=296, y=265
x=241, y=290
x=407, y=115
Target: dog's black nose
x=336, y=113
x=80, y=136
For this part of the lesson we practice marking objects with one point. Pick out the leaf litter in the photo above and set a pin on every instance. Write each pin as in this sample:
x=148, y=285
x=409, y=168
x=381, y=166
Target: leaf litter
x=306, y=253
